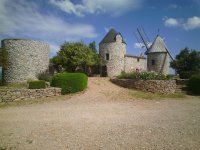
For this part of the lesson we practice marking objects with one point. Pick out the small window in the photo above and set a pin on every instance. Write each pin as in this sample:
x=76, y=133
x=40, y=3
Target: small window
x=153, y=62
x=138, y=59
x=107, y=56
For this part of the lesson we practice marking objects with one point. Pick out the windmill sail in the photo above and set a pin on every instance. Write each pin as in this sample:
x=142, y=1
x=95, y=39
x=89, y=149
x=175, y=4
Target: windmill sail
x=143, y=38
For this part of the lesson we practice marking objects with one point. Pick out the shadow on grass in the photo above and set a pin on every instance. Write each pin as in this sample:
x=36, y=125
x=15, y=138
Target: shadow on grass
x=193, y=94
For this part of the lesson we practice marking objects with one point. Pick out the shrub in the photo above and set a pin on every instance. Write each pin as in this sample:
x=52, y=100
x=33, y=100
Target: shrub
x=1, y=82
x=194, y=84
x=70, y=82
x=143, y=76
x=45, y=76
x=40, y=84
x=187, y=74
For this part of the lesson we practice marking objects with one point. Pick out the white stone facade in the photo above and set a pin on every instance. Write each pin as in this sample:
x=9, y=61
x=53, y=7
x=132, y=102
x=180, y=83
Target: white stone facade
x=161, y=62
x=116, y=51
x=113, y=52
x=132, y=63
x=26, y=59
x=118, y=61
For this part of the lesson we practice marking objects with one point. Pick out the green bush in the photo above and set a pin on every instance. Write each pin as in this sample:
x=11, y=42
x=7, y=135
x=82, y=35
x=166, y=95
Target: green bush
x=194, y=84
x=1, y=82
x=45, y=76
x=143, y=76
x=70, y=82
x=40, y=84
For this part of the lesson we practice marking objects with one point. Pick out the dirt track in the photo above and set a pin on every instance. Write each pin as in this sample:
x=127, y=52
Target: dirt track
x=103, y=117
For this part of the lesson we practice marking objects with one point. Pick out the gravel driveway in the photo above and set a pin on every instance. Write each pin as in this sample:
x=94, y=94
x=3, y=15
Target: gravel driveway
x=103, y=117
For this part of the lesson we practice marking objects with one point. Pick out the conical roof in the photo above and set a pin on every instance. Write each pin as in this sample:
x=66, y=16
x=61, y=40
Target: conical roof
x=157, y=46
x=111, y=36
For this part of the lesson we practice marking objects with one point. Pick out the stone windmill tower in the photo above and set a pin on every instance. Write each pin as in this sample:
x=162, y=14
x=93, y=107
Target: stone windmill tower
x=158, y=56
x=112, y=50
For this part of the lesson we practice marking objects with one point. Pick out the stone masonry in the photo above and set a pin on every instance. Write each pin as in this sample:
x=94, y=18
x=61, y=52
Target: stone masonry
x=116, y=51
x=26, y=59
x=133, y=63
x=160, y=65
x=114, y=45
x=9, y=95
x=152, y=86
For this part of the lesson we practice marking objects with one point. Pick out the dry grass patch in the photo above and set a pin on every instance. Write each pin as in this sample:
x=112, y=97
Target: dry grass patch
x=22, y=85
x=37, y=101
x=155, y=96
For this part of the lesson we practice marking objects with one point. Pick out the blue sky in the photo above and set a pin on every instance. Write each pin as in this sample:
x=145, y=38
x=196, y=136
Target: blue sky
x=56, y=21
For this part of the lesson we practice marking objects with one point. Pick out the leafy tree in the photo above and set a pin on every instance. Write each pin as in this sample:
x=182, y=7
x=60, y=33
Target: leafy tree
x=73, y=56
x=92, y=46
x=187, y=63
x=3, y=61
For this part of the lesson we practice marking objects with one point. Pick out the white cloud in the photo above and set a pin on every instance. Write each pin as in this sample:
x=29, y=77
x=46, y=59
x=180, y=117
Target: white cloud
x=24, y=19
x=54, y=48
x=141, y=45
x=138, y=45
x=112, y=7
x=192, y=23
x=171, y=22
x=173, y=6
x=188, y=24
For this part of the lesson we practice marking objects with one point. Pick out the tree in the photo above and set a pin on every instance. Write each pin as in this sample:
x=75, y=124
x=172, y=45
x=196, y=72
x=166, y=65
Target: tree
x=92, y=46
x=3, y=61
x=73, y=56
x=186, y=63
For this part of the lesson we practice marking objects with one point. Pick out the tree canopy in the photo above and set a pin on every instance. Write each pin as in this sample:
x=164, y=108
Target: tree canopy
x=75, y=55
x=187, y=63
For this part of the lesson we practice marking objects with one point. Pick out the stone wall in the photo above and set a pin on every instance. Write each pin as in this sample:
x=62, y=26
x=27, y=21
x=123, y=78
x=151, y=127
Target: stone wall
x=161, y=63
x=26, y=59
x=116, y=51
x=9, y=95
x=153, y=86
x=132, y=63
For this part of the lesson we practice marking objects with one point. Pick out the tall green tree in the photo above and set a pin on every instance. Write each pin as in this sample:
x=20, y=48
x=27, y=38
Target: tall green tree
x=92, y=46
x=74, y=55
x=3, y=61
x=187, y=63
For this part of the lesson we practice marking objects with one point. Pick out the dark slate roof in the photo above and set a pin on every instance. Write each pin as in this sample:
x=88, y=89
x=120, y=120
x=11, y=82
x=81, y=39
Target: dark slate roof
x=157, y=46
x=111, y=36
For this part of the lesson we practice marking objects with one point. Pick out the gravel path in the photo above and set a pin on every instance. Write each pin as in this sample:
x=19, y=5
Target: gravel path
x=103, y=117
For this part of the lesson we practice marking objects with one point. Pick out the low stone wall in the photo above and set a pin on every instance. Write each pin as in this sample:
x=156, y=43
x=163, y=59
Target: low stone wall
x=153, y=86
x=9, y=95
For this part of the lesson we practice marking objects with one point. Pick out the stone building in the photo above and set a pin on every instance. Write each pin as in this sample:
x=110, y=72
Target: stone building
x=26, y=59
x=112, y=49
x=158, y=57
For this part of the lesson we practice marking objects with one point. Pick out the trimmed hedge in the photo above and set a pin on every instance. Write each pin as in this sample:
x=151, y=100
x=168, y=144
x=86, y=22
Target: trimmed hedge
x=194, y=84
x=40, y=84
x=70, y=82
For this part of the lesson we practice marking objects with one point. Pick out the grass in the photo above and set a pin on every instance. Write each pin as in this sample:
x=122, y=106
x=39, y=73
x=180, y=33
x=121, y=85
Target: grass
x=32, y=101
x=155, y=96
x=22, y=85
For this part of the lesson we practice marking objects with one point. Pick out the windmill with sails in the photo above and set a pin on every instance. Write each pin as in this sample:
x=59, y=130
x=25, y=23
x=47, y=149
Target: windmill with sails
x=158, y=55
